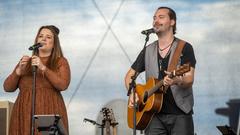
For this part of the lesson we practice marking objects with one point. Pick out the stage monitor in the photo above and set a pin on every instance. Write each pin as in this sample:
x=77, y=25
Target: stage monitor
x=50, y=124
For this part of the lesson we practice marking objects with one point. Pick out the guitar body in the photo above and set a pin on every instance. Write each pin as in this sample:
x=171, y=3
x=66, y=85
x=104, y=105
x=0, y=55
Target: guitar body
x=145, y=110
x=151, y=98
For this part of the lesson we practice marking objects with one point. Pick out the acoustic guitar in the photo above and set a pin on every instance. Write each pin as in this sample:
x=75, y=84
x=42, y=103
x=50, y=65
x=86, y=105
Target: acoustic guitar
x=150, y=99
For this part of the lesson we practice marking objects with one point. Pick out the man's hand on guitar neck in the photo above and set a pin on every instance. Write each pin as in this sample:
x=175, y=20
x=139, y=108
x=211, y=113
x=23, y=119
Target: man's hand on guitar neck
x=131, y=103
x=184, y=81
x=167, y=81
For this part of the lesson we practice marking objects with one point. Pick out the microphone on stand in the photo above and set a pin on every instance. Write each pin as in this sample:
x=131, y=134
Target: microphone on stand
x=35, y=46
x=148, y=31
x=91, y=121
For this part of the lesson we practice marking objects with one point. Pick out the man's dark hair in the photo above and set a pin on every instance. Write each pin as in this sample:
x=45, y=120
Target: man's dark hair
x=172, y=16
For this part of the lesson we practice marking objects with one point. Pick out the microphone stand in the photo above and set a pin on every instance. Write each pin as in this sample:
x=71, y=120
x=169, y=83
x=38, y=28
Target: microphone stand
x=132, y=88
x=34, y=71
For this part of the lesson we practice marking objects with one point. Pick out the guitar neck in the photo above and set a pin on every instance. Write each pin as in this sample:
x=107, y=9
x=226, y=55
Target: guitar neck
x=155, y=88
x=114, y=130
x=107, y=126
x=159, y=85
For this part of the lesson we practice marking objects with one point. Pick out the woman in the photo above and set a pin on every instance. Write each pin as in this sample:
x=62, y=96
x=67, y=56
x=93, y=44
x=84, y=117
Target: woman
x=53, y=76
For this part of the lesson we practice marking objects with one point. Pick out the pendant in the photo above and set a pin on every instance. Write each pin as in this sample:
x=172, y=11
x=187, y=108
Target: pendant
x=160, y=65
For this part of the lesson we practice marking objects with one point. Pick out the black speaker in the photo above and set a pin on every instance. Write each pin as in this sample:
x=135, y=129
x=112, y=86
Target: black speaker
x=232, y=112
x=226, y=130
x=5, y=113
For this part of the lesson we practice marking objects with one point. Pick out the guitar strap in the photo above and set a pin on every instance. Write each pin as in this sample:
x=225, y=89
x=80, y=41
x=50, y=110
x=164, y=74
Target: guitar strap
x=175, y=58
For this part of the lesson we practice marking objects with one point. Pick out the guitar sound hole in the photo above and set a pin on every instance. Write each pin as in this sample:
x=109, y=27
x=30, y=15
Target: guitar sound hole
x=145, y=97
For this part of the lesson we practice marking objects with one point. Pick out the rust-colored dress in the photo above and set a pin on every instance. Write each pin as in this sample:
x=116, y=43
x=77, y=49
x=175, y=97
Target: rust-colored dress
x=48, y=95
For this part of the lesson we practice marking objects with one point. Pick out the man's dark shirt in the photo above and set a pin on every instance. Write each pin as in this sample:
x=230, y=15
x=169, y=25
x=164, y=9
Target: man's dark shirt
x=169, y=106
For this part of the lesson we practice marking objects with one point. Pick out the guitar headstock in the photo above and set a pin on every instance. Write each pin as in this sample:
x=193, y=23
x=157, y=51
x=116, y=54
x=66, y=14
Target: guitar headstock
x=109, y=116
x=181, y=70
x=105, y=111
x=113, y=122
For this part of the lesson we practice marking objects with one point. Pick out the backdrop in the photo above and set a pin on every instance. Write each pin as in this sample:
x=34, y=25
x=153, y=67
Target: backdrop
x=101, y=39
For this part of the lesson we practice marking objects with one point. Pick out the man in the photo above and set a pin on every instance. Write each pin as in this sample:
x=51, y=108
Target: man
x=175, y=117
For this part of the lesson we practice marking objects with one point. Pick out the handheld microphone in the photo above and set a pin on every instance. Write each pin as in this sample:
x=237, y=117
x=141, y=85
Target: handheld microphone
x=148, y=31
x=35, y=46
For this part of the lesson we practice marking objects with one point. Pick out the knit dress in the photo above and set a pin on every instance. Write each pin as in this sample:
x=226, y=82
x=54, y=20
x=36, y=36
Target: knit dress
x=48, y=95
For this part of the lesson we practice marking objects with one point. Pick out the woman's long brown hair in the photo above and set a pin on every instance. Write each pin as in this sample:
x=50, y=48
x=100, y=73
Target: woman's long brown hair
x=56, y=51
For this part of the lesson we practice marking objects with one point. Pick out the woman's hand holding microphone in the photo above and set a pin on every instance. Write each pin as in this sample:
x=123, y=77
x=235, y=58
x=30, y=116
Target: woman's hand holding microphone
x=36, y=61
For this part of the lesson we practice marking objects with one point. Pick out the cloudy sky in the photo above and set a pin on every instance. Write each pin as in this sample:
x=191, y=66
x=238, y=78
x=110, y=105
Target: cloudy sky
x=102, y=38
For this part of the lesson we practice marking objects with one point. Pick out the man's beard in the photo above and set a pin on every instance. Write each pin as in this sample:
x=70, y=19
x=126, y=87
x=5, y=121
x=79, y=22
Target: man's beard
x=161, y=29
x=158, y=29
